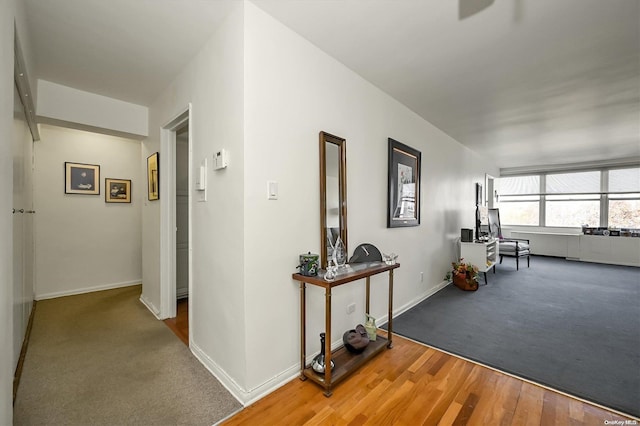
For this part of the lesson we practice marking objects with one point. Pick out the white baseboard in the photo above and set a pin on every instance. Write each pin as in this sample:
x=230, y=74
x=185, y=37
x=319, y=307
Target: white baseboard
x=249, y=396
x=151, y=307
x=244, y=396
x=402, y=309
x=86, y=290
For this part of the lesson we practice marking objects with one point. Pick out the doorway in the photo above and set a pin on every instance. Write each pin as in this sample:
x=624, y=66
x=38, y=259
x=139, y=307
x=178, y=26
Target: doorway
x=182, y=232
x=175, y=234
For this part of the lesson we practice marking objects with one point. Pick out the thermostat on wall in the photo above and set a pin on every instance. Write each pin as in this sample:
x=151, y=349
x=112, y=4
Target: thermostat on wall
x=220, y=159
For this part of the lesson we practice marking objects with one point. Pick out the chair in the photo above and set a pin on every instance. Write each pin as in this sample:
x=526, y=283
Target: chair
x=512, y=247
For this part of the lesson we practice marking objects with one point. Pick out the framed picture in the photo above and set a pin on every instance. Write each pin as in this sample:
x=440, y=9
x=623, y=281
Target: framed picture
x=153, y=176
x=403, y=192
x=117, y=190
x=81, y=178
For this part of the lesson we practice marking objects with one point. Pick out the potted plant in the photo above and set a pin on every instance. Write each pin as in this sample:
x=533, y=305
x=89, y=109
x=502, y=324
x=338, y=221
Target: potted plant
x=465, y=275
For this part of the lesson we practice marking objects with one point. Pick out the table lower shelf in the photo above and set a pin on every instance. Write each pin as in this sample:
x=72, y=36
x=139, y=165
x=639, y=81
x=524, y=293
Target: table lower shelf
x=346, y=362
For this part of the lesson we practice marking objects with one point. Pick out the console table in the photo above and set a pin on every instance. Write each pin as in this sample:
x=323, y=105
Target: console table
x=345, y=361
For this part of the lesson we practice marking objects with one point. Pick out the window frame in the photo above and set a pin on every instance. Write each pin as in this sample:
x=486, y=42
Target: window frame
x=604, y=196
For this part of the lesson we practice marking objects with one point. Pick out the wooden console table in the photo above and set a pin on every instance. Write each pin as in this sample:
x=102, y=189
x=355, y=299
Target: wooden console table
x=345, y=361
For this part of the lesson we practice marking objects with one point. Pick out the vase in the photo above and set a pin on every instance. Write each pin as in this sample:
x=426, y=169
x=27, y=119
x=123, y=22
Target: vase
x=465, y=282
x=339, y=253
x=318, y=363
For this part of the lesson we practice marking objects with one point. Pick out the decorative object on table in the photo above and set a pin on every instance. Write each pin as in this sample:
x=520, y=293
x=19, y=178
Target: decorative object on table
x=465, y=275
x=331, y=271
x=81, y=178
x=318, y=364
x=309, y=264
x=117, y=190
x=153, y=176
x=390, y=259
x=403, y=190
x=366, y=253
x=356, y=340
x=339, y=255
x=370, y=326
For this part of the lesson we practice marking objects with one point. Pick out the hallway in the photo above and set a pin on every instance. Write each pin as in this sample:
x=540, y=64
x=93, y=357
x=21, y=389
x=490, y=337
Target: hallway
x=101, y=358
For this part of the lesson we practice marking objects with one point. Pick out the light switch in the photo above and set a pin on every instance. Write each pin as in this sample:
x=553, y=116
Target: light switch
x=272, y=190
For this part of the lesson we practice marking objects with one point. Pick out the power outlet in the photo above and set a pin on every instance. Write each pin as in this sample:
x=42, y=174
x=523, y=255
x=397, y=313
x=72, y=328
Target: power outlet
x=421, y=276
x=351, y=308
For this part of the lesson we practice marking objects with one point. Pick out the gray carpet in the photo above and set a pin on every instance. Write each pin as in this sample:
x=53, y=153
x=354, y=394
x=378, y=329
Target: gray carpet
x=103, y=359
x=572, y=326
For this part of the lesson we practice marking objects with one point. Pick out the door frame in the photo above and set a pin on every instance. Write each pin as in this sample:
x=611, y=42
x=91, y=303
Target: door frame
x=168, y=213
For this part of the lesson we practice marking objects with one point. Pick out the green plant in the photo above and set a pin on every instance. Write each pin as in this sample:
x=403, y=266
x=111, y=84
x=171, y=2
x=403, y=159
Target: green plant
x=468, y=269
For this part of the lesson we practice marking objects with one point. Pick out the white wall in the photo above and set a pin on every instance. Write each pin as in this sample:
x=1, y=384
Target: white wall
x=264, y=93
x=212, y=83
x=292, y=92
x=82, y=243
x=7, y=11
x=57, y=103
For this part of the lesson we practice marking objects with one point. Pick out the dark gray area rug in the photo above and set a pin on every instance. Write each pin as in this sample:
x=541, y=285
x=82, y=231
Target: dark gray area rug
x=572, y=326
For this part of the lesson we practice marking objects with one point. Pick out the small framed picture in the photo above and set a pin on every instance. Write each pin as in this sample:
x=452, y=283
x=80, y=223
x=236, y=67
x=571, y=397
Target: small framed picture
x=117, y=190
x=153, y=177
x=403, y=190
x=81, y=178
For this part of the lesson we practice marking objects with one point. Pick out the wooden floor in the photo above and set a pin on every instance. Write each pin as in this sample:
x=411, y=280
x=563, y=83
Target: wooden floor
x=180, y=324
x=412, y=384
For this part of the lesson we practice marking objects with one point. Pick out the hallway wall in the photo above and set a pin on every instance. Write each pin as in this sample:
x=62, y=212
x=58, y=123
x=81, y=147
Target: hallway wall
x=7, y=13
x=293, y=90
x=82, y=243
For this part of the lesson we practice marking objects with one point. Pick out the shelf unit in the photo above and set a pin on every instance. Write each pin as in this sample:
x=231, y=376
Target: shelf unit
x=483, y=254
x=345, y=361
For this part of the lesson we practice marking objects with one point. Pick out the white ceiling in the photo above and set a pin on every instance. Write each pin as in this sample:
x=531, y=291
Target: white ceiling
x=527, y=82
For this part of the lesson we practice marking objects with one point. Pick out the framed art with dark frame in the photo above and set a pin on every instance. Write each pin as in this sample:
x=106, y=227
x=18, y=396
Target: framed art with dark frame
x=153, y=176
x=403, y=191
x=117, y=190
x=81, y=178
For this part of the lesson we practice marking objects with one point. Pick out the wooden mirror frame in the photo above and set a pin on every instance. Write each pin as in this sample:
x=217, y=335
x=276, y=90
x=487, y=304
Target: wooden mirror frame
x=326, y=138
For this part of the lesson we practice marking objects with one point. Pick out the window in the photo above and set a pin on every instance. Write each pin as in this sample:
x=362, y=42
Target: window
x=572, y=199
x=624, y=198
x=519, y=200
x=595, y=198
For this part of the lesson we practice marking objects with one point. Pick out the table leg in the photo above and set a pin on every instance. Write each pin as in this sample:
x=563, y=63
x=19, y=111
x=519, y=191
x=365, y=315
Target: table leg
x=390, y=322
x=368, y=285
x=327, y=344
x=303, y=325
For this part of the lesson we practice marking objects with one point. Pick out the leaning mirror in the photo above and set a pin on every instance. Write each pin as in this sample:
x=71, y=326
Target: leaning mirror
x=333, y=195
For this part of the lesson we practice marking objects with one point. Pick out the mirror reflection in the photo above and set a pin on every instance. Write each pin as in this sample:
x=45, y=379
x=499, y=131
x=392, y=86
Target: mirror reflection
x=333, y=206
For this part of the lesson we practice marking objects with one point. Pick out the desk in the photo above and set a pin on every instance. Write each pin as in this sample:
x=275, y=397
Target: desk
x=345, y=362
